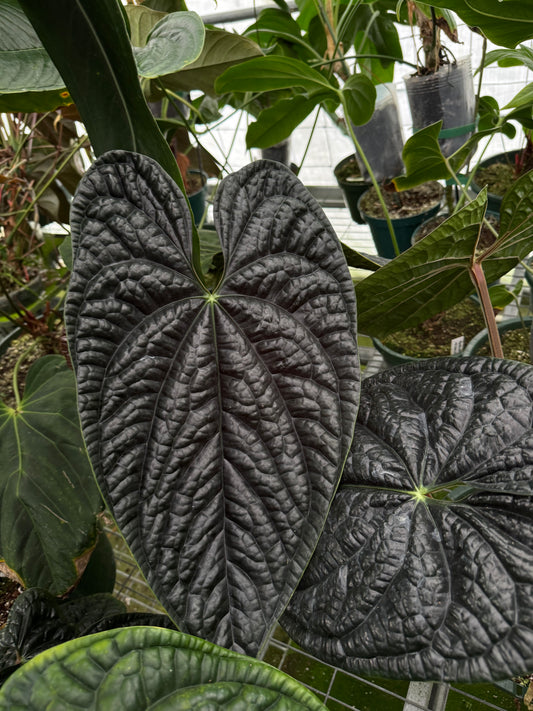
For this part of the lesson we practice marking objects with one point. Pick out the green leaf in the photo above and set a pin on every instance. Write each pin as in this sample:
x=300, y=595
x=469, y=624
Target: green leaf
x=434, y=274
x=429, y=277
x=24, y=63
x=523, y=98
x=500, y=296
x=423, y=158
x=276, y=123
x=273, y=24
x=510, y=57
x=361, y=260
x=48, y=496
x=504, y=23
x=139, y=667
x=221, y=50
x=269, y=73
x=100, y=74
x=359, y=95
x=142, y=21
x=29, y=80
x=175, y=41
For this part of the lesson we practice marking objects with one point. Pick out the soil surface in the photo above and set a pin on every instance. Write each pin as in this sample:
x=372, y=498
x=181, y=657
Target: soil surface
x=194, y=183
x=9, y=591
x=498, y=177
x=405, y=203
x=350, y=172
x=432, y=338
x=515, y=346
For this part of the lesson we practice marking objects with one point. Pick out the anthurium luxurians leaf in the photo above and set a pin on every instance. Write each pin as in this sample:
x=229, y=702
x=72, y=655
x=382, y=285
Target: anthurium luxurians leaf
x=147, y=667
x=218, y=423
x=425, y=566
x=38, y=621
x=48, y=496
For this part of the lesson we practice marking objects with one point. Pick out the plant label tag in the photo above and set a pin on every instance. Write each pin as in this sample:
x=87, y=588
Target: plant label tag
x=457, y=345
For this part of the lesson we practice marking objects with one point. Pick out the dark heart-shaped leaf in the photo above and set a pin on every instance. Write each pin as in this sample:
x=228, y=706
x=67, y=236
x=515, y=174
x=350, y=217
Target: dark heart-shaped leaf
x=425, y=566
x=150, y=668
x=218, y=422
x=38, y=621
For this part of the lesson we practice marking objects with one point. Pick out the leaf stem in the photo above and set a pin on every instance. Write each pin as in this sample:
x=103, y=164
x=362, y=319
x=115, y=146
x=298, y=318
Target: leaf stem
x=478, y=277
x=16, y=370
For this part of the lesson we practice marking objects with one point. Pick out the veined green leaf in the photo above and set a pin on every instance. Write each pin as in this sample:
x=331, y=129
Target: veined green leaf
x=48, y=495
x=434, y=274
x=423, y=158
x=135, y=668
x=359, y=95
x=269, y=73
x=276, y=123
x=523, y=98
x=175, y=41
x=221, y=50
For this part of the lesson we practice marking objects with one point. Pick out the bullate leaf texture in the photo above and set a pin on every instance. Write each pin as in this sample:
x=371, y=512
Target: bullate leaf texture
x=425, y=567
x=218, y=422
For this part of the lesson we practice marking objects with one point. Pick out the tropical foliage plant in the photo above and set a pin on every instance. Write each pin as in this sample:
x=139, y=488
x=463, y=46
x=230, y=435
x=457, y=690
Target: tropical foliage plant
x=170, y=671
x=425, y=565
x=219, y=419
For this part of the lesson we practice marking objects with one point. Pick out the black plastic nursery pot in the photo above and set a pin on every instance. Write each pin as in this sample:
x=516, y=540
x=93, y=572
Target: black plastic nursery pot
x=403, y=227
x=507, y=159
x=474, y=346
x=352, y=185
x=446, y=95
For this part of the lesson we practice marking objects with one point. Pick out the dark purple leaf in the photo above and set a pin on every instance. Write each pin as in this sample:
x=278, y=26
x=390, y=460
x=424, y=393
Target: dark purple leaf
x=217, y=423
x=425, y=567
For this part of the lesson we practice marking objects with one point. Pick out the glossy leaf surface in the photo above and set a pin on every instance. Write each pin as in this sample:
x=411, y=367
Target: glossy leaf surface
x=173, y=42
x=425, y=567
x=218, y=423
x=221, y=50
x=434, y=274
x=148, y=667
x=88, y=42
x=38, y=621
x=48, y=496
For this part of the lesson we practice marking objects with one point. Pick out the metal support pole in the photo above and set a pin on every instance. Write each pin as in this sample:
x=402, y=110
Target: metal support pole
x=426, y=695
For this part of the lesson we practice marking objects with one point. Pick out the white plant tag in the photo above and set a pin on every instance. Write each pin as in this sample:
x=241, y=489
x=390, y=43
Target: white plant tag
x=457, y=345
